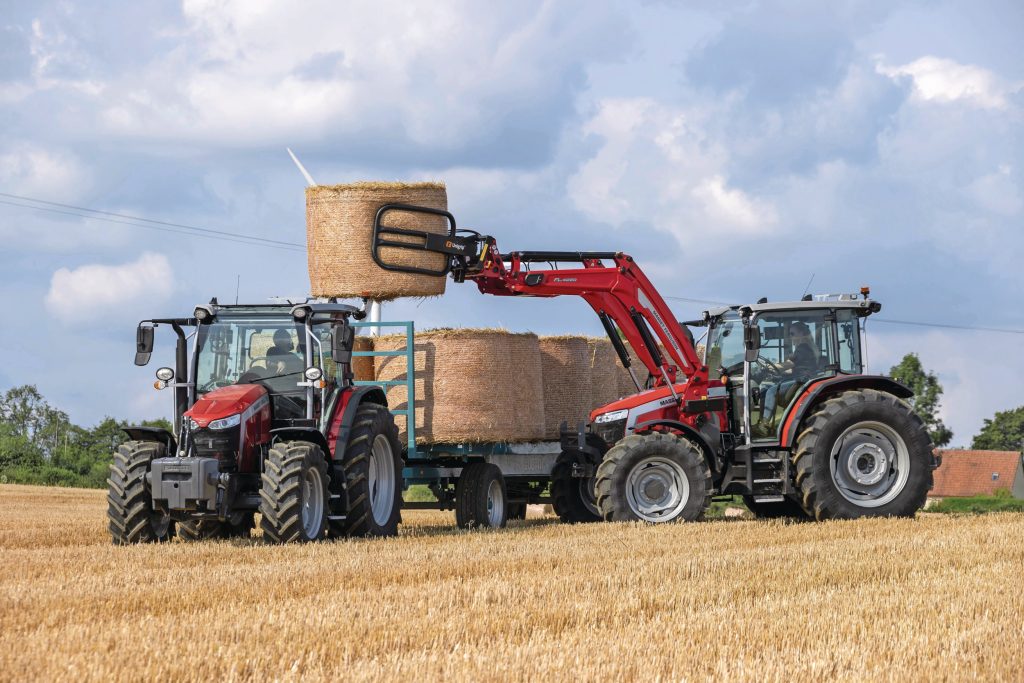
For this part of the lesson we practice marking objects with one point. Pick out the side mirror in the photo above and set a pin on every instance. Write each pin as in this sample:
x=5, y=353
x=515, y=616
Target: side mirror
x=143, y=345
x=341, y=344
x=751, y=342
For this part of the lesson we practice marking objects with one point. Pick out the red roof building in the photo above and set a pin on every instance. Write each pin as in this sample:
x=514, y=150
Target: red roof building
x=978, y=473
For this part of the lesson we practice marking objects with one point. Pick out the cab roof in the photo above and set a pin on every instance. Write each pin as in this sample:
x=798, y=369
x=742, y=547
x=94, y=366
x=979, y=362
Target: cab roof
x=864, y=307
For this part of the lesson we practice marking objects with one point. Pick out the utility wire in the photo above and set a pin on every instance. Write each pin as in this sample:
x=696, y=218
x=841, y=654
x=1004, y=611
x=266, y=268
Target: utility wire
x=139, y=221
x=888, y=321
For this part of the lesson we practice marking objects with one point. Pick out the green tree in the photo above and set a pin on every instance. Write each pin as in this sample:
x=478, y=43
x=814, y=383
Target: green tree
x=925, y=400
x=1004, y=432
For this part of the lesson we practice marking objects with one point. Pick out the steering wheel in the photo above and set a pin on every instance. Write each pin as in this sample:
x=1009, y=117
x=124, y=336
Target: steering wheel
x=252, y=375
x=215, y=384
x=768, y=368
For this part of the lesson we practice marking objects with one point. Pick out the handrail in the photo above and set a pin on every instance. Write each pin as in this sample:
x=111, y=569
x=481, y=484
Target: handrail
x=410, y=375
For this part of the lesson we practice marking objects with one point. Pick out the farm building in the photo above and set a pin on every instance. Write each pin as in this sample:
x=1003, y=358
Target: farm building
x=975, y=473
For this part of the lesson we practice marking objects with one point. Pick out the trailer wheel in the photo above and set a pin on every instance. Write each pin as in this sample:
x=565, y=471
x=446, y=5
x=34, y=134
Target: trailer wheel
x=573, y=498
x=655, y=477
x=863, y=453
x=373, y=475
x=790, y=507
x=480, y=497
x=130, y=512
x=239, y=525
x=293, y=500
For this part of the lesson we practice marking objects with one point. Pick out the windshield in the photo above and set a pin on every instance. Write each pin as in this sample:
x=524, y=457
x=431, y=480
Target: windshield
x=236, y=350
x=725, y=345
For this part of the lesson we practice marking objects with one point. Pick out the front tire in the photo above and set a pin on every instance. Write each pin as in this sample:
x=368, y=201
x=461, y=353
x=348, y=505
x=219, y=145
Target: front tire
x=293, y=500
x=373, y=475
x=130, y=512
x=656, y=477
x=863, y=453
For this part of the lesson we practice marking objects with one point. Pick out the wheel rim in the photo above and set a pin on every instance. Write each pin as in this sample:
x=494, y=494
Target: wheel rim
x=657, y=489
x=160, y=522
x=495, y=503
x=381, y=480
x=588, y=496
x=312, y=502
x=870, y=464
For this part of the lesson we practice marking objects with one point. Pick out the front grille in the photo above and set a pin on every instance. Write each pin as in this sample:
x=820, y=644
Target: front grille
x=217, y=443
x=610, y=432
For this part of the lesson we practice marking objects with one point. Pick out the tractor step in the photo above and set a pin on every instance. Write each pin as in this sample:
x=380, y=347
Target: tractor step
x=335, y=518
x=767, y=481
x=769, y=499
x=766, y=461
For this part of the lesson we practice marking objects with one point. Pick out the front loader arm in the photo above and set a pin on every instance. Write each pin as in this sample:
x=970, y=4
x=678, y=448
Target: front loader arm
x=620, y=293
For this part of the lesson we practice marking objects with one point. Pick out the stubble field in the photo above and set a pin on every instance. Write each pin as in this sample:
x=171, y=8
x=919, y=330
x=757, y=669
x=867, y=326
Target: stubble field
x=936, y=598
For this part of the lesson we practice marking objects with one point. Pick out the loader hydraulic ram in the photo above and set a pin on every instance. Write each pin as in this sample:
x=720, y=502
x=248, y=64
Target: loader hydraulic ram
x=777, y=410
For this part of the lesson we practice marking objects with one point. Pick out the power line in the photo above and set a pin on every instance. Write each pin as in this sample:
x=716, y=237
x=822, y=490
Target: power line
x=889, y=321
x=153, y=224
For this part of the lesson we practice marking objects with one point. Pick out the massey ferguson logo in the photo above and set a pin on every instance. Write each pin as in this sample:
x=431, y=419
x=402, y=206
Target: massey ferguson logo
x=563, y=279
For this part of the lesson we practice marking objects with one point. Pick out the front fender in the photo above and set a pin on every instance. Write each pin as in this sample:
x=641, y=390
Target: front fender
x=154, y=434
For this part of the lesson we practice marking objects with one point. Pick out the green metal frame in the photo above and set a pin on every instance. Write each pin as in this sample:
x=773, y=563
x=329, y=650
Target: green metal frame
x=410, y=375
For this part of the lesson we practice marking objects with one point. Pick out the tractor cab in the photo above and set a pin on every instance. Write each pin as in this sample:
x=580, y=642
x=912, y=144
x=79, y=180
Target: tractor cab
x=767, y=353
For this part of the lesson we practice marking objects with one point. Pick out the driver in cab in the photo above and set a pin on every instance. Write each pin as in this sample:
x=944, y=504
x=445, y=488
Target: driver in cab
x=800, y=364
x=281, y=358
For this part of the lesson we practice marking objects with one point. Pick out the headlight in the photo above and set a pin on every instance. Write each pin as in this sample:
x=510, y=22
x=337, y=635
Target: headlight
x=612, y=416
x=165, y=374
x=226, y=422
x=313, y=374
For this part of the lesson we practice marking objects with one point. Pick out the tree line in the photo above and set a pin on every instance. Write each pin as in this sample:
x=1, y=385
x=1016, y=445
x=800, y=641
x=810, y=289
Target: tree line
x=40, y=445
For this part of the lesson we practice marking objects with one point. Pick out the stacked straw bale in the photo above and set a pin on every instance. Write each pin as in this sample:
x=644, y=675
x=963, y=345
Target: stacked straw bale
x=604, y=379
x=362, y=366
x=565, y=366
x=472, y=385
x=339, y=236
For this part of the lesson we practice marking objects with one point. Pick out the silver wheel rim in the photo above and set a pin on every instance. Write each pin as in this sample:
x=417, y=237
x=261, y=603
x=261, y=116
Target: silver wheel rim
x=870, y=464
x=657, y=489
x=495, y=503
x=381, y=480
x=588, y=496
x=312, y=502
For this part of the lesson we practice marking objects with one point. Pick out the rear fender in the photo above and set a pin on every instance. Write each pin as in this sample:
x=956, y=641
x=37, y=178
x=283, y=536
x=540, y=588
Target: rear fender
x=820, y=391
x=689, y=432
x=154, y=434
x=345, y=415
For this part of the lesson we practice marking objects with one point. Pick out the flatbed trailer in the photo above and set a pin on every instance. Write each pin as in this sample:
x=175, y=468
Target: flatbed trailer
x=486, y=483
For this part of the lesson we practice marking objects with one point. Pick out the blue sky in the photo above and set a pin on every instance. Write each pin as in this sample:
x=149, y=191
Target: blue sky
x=734, y=152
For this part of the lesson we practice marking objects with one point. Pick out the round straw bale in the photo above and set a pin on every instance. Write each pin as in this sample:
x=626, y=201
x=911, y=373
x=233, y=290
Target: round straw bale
x=472, y=385
x=339, y=236
x=362, y=366
x=565, y=363
x=604, y=379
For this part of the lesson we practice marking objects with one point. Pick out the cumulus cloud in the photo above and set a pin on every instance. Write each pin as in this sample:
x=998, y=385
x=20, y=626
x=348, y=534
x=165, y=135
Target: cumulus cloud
x=944, y=80
x=657, y=164
x=101, y=290
x=29, y=169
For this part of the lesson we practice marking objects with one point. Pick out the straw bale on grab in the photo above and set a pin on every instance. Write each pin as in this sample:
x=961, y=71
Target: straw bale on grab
x=339, y=236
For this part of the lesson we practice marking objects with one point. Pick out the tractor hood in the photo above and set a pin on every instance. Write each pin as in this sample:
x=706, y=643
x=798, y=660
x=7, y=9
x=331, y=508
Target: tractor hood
x=225, y=402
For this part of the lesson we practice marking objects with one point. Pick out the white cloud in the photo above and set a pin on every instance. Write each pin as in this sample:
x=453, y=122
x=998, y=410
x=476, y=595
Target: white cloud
x=944, y=80
x=656, y=164
x=436, y=75
x=94, y=289
x=31, y=170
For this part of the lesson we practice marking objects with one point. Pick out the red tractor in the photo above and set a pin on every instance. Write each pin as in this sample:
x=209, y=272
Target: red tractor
x=266, y=420
x=778, y=411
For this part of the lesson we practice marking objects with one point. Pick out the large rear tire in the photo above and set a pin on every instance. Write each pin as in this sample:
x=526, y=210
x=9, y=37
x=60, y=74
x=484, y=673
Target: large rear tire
x=863, y=453
x=481, y=499
x=293, y=500
x=130, y=512
x=573, y=498
x=373, y=475
x=656, y=477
